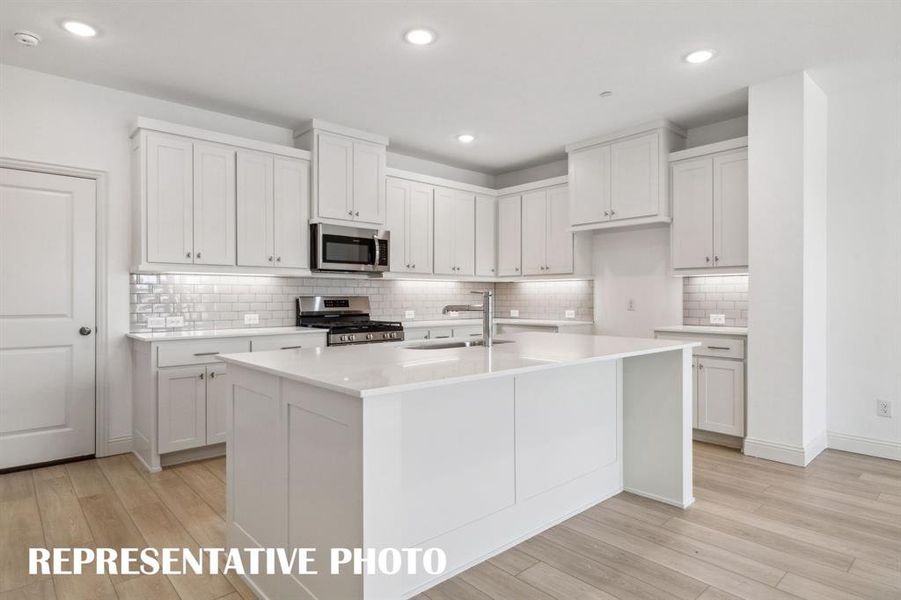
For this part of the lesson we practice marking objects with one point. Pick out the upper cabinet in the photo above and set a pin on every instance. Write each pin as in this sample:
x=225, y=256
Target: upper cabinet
x=205, y=201
x=454, y=232
x=509, y=235
x=620, y=180
x=547, y=242
x=410, y=218
x=348, y=173
x=710, y=207
x=486, y=236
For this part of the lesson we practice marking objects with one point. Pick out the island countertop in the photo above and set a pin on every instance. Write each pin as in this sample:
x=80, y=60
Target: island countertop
x=375, y=369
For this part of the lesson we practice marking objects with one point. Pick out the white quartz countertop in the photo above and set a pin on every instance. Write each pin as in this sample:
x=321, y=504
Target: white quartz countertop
x=500, y=321
x=376, y=369
x=222, y=333
x=705, y=329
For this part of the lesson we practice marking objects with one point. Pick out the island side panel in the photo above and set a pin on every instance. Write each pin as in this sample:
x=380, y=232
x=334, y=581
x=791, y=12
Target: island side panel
x=657, y=409
x=443, y=465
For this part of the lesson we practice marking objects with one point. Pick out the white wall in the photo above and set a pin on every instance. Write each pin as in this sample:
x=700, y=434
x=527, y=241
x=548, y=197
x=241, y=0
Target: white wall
x=786, y=407
x=530, y=174
x=634, y=264
x=716, y=132
x=864, y=264
x=49, y=119
x=436, y=169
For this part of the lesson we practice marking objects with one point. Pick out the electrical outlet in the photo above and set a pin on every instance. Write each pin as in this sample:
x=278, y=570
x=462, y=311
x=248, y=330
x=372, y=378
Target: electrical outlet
x=409, y=314
x=883, y=408
x=630, y=305
x=716, y=319
x=569, y=314
x=514, y=312
x=175, y=321
x=251, y=319
x=156, y=322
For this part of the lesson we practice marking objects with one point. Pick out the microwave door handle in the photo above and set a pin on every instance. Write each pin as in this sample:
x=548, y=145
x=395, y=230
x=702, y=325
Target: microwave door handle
x=375, y=240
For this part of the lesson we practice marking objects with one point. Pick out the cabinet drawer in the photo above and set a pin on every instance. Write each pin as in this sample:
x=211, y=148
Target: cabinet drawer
x=467, y=331
x=437, y=333
x=287, y=342
x=711, y=345
x=416, y=334
x=198, y=352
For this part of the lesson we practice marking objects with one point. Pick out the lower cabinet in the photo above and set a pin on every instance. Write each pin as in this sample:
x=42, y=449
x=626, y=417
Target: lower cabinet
x=720, y=395
x=192, y=404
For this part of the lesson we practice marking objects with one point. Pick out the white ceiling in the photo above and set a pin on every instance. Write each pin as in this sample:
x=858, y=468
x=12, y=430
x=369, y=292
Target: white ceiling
x=522, y=76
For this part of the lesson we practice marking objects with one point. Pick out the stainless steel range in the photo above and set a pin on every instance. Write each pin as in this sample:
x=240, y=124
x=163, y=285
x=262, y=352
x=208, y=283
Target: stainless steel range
x=347, y=320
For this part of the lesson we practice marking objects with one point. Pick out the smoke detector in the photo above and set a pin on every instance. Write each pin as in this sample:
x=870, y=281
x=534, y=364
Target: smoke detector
x=27, y=38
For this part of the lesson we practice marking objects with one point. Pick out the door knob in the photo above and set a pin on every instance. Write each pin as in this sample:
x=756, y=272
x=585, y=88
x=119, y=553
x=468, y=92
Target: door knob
x=85, y=331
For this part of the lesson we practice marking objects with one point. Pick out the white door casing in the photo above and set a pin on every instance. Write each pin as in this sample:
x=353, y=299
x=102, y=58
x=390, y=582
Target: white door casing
x=47, y=294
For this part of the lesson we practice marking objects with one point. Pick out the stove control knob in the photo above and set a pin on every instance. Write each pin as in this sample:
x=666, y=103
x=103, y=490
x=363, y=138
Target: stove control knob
x=369, y=336
x=351, y=338
x=343, y=338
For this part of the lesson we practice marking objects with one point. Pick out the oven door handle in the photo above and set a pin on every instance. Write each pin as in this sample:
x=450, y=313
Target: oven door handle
x=375, y=240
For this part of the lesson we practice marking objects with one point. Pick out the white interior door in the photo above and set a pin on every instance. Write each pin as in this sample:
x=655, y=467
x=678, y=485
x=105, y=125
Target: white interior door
x=47, y=273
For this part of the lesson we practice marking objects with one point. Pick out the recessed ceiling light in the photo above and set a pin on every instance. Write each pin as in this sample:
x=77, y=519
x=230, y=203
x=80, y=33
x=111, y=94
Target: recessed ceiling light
x=466, y=138
x=420, y=36
x=699, y=56
x=605, y=94
x=80, y=29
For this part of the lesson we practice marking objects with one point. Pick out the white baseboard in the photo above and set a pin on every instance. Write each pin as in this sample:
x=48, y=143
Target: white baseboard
x=661, y=499
x=814, y=447
x=119, y=445
x=864, y=445
x=784, y=453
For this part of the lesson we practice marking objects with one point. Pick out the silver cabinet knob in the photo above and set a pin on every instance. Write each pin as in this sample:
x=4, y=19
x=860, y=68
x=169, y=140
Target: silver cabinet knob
x=278, y=259
x=606, y=213
x=357, y=214
x=212, y=374
x=187, y=255
x=85, y=331
x=201, y=375
x=517, y=269
x=716, y=259
x=413, y=266
x=492, y=269
x=350, y=212
x=706, y=259
x=612, y=212
x=270, y=258
x=198, y=255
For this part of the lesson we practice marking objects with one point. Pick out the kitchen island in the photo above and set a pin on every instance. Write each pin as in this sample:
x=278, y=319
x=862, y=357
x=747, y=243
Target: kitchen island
x=470, y=449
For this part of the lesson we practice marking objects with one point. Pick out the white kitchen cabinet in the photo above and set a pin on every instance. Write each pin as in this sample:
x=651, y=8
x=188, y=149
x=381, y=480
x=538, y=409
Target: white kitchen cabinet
x=170, y=199
x=214, y=204
x=621, y=180
x=272, y=200
x=547, y=243
x=410, y=221
x=182, y=408
x=454, y=232
x=720, y=396
x=509, y=235
x=486, y=236
x=218, y=391
x=710, y=210
x=348, y=173
x=635, y=177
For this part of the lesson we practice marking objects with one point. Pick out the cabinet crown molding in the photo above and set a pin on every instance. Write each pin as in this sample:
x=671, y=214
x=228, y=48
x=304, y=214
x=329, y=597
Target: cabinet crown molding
x=148, y=124
x=725, y=145
x=627, y=132
x=320, y=125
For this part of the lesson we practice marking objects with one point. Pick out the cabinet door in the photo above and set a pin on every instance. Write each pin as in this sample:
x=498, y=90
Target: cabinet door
x=170, y=203
x=486, y=236
x=589, y=185
x=182, y=408
x=291, y=212
x=214, y=204
x=445, y=223
x=465, y=233
x=369, y=183
x=397, y=223
x=635, y=177
x=692, y=231
x=334, y=177
x=559, y=247
x=730, y=209
x=721, y=396
x=419, y=228
x=218, y=397
x=255, y=209
x=534, y=232
x=509, y=235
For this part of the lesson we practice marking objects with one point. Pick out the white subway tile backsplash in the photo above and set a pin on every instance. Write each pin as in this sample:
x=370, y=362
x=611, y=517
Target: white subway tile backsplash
x=221, y=301
x=702, y=296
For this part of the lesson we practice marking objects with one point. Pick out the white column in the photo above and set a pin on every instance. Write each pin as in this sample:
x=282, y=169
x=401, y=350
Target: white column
x=787, y=255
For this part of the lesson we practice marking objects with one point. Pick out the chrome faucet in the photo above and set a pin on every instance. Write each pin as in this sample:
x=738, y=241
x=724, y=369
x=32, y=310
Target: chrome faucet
x=487, y=310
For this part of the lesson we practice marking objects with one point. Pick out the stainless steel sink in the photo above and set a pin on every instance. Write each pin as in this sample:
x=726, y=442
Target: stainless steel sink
x=453, y=344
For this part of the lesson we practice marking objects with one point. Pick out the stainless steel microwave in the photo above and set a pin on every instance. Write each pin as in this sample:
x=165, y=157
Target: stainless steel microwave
x=342, y=248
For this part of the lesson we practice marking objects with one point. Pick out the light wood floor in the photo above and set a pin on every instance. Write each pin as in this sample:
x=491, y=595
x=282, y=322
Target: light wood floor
x=759, y=530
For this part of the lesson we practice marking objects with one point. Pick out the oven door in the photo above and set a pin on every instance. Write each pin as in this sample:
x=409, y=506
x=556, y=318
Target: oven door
x=339, y=248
